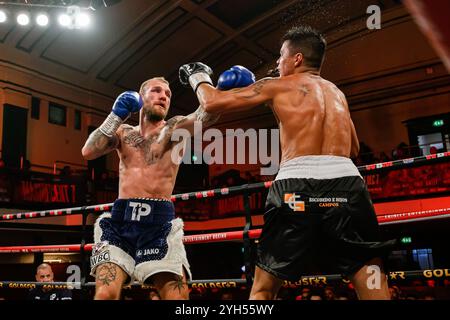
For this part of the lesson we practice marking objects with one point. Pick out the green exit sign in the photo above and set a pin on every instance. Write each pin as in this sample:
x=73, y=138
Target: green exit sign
x=406, y=240
x=438, y=123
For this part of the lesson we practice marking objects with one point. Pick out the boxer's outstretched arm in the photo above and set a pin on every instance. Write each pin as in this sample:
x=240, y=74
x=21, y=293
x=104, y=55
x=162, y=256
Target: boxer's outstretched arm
x=216, y=101
x=207, y=119
x=187, y=122
x=98, y=144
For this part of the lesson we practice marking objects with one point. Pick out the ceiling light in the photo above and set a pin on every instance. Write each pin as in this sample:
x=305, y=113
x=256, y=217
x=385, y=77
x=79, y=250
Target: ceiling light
x=82, y=20
x=42, y=20
x=64, y=20
x=23, y=19
x=2, y=16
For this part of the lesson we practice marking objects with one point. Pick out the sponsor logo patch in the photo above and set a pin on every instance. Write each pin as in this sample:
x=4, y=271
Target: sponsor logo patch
x=100, y=258
x=294, y=202
x=151, y=251
x=328, y=202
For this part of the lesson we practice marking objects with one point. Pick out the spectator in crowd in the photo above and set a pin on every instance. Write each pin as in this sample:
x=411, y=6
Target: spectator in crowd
x=305, y=294
x=366, y=153
x=214, y=183
x=329, y=294
x=395, y=293
x=414, y=151
x=400, y=152
x=195, y=294
x=384, y=157
x=226, y=295
x=44, y=273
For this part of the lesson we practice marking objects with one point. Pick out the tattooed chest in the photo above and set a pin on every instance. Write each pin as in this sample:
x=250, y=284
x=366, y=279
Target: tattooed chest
x=148, y=148
x=134, y=139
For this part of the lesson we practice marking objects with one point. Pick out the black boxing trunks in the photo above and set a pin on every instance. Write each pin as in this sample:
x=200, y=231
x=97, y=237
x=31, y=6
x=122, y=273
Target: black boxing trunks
x=319, y=218
x=143, y=237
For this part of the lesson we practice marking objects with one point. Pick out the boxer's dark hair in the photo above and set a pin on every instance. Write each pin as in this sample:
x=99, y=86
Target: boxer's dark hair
x=307, y=41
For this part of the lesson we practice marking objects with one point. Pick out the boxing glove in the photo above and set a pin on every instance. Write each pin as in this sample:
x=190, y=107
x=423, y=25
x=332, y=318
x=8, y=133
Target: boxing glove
x=194, y=74
x=235, y=77
x=126, y=103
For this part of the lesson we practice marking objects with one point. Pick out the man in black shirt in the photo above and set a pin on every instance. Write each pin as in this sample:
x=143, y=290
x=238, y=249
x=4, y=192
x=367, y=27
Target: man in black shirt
x=44, y=273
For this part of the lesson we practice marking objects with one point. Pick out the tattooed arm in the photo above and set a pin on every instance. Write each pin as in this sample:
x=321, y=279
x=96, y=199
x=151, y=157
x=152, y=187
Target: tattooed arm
x=99, y=144
x=187, y=122
x=215, y=101
x=206, y=118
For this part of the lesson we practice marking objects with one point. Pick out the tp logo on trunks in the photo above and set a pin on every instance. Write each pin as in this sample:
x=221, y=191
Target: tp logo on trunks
x=139, y=210
x=293, y=201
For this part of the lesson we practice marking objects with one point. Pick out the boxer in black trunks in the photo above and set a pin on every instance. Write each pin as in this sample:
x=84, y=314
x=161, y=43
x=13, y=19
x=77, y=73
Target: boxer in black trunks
x=319, y=213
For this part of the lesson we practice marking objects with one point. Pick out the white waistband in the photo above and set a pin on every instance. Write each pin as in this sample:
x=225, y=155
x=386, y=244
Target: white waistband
x=317, y=167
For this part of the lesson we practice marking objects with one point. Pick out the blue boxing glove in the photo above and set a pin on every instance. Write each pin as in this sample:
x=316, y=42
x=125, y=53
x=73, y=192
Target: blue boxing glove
x=235, y=77
x=126, y=103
